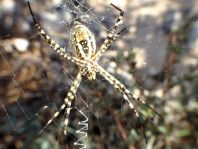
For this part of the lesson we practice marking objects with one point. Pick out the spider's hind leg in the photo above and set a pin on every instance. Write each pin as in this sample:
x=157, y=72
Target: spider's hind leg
x=56, y=47
x=119, y=19
x=111, y=37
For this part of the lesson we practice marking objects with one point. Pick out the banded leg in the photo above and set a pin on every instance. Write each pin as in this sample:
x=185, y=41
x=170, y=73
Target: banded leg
x=117, y=84
x=56, y=47
x=111, y=36
x=125, y=92
x=70, y=96
x=67, y=103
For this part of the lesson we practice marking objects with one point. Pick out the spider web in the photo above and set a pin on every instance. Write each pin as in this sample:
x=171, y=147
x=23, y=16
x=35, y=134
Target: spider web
x=34, y=80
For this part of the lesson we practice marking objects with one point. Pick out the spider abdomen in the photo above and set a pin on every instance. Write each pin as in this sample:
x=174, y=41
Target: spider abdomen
x=83, y=42
x=84, y=46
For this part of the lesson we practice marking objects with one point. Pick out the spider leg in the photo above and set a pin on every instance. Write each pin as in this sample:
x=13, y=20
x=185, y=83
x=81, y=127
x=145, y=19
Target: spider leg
x=71, y=94
x=111, y=36
x=120, y=86
x=56, y=47
x=67, y=103
x=125, y=93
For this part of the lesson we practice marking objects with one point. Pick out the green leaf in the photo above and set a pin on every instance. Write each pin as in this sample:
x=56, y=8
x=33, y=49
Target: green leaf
x=183, y=133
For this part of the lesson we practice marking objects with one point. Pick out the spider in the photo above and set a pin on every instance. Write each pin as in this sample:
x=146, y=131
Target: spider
x=86, y=57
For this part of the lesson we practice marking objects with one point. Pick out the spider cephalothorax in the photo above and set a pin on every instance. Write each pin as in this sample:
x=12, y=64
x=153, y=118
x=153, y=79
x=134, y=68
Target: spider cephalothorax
x=84, y=45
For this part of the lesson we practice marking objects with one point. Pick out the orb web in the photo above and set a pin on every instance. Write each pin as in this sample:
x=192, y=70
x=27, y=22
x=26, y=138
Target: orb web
x=156, y=58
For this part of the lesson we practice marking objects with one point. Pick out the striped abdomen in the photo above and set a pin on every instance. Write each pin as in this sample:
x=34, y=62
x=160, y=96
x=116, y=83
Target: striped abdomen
x=83, y=42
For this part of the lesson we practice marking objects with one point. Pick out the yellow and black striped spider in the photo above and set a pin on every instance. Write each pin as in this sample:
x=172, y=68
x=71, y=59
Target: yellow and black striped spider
x=86, y=57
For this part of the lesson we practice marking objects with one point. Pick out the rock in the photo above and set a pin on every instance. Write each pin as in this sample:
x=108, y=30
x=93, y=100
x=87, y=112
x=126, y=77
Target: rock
x=21, y=44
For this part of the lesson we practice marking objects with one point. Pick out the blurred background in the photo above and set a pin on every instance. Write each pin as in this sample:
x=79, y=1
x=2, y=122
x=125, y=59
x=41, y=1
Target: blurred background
x=156, y=58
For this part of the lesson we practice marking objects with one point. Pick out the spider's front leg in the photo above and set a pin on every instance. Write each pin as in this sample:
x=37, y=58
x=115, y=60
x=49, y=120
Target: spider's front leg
x=67, y=102
x=125, y=93
x=117, y=84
